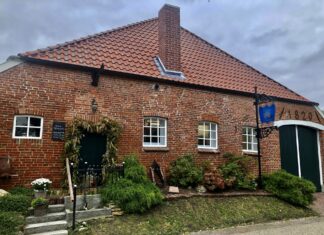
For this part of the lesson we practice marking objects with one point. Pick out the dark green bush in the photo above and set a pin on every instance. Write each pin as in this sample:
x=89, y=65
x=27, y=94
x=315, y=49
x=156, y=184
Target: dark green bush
x=21, y=190
x=135, y=193
x=236, y=173
x=10, y=223
x=290, y=188
x=17, y=203
x=184, y=173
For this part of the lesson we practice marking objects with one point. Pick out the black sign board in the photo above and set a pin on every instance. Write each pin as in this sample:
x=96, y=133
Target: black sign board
x=58, y=131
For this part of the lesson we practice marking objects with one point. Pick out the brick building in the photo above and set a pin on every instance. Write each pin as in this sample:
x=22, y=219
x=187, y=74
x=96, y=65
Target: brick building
x=172, y=92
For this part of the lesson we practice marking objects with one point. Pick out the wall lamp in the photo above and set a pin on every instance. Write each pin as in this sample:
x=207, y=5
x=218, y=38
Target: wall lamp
x=94, y=105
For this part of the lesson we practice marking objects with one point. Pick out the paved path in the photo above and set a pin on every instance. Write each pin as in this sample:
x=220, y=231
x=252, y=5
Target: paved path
x=303, y=226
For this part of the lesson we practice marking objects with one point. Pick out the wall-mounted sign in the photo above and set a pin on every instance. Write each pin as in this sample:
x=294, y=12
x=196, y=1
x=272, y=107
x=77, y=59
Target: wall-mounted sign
x=298, y=115
x=267, y=113
x=58, y=131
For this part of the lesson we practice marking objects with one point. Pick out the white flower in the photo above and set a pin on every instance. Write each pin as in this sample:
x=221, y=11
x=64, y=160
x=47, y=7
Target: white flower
x=41, y=183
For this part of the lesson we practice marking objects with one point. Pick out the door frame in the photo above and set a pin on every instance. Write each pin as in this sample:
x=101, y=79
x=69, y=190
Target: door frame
x=313, y=125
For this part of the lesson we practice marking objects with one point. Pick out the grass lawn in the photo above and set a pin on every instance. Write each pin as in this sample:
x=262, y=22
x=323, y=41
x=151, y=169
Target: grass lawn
x=199, y=213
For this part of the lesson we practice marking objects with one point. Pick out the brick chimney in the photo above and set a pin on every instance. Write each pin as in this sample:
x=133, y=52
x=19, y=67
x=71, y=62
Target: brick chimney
x=169, y=37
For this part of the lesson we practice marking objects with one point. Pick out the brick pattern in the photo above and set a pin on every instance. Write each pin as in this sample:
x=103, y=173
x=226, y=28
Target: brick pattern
x=60, y=94
x=169, y=37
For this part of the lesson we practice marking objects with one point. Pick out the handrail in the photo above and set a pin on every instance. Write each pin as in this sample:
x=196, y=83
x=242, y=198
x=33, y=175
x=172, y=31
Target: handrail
x=68, y=172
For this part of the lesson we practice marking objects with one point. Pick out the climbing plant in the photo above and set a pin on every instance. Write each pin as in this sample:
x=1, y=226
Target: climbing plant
x=76, y=131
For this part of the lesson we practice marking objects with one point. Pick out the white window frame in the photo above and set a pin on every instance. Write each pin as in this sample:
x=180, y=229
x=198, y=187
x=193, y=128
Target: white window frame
x=28, y=126
x=247, y=140
x=216, y=136
x=146, y=144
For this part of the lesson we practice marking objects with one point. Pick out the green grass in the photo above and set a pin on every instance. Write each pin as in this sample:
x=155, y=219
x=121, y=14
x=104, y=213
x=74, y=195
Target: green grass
x=194, y=214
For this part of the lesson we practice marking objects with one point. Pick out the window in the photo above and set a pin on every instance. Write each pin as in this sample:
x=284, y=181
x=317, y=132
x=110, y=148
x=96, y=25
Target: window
x=249, y=140
x=28, y=127
x=155, y=132
x=207, y=135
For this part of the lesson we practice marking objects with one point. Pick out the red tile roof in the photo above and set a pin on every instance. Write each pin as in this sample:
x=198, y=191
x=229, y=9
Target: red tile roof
x=132, y=49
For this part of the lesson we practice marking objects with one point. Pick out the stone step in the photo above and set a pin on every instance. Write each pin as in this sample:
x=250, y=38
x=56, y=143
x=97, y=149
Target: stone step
x=45, y=227
x=56, y=208
x=57, y=232
x=46, y=218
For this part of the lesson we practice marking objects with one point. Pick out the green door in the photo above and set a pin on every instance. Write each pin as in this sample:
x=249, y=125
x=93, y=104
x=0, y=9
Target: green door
x=288, y=149
x=308, y=152
x=93, y=146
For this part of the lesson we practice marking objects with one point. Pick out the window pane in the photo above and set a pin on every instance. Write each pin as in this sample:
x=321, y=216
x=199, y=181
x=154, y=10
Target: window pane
x=249, y=146
x=244, y=138
x=154, y=122
x=213, y=143
x=200, y=142
x=213, y=127
x=244, y=130
x=154, y=131
x=21, y=121
x=207, y=143
x=201, y=126
x=154, y=140
x=250, y=139
x=146, y=131
x=34, y=132
x=255, y=147
x=162, y=140
x=146, y=139
x=162, y=123
x=21, y=131
x=249, y=131
x=254, y=139
x=254, y=131
x=213, y=135
x=207, y=126
x=207, y=134
x=35, y=121
x=162, y=132
x=147, y=122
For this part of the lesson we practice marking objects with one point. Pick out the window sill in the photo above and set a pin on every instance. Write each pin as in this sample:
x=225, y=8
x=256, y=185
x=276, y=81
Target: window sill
x=249, y=153
x=155, y=149
x=202, y=150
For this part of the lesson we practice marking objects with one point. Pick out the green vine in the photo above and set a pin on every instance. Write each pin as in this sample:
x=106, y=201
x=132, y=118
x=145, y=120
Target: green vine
x=76, y=131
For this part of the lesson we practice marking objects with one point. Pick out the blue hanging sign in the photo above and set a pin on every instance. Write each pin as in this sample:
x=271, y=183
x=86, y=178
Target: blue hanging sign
x=267, y=113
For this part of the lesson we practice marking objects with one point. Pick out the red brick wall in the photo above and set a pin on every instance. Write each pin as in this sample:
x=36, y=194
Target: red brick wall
x=62, y=94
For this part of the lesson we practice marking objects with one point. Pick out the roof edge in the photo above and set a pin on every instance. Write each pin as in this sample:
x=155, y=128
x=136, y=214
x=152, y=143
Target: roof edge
x=140, y=76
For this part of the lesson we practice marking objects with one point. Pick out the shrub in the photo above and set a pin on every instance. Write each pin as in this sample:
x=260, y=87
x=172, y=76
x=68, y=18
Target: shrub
x=10, y=223
x=184, y=173
x=17, y=203
x=290, y=188
x=135, y=193
x=20, y=190
x=39, y=202
x=235, y=172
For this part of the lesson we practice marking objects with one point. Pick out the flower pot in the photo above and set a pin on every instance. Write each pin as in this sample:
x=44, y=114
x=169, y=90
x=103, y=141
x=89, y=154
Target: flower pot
x=40, y=210
x=40, y=193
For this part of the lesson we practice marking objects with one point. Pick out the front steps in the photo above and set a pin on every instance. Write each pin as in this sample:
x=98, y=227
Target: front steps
x=53, y=223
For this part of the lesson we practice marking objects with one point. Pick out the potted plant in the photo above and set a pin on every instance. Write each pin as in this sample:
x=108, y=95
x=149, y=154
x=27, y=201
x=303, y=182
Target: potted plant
x=40, y=206
x=41, y=186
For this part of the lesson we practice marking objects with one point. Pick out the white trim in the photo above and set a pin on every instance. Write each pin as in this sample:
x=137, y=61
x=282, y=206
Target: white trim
x=319, y=111
x=28, y=126
x=299, y=123
x=11, y=62
x=319, y=158
x=298, y=154
x=210, y=139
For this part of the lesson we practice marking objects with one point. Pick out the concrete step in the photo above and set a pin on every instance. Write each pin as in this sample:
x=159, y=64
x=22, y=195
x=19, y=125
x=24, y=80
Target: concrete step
x=46, y=218
x=45, y=227
x=58, y=232
x=56, y=208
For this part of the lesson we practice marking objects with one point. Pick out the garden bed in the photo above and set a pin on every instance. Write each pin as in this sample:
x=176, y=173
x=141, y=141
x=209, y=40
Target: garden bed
x=200, y=213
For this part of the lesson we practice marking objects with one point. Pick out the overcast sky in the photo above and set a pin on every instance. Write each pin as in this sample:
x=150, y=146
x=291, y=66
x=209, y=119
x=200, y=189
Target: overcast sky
x=282, y=38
